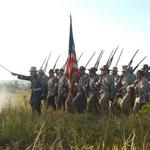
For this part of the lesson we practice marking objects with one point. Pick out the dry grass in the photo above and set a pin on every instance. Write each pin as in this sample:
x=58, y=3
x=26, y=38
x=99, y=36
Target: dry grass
x=59, y=130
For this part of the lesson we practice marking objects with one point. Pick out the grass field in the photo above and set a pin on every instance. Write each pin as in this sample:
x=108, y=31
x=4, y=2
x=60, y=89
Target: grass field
x=60, y=130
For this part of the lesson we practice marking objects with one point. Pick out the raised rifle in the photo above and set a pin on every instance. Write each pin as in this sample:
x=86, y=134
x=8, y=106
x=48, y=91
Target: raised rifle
x=56, y=62
x=139, y=64
x=89, y=60
x=80, y=57
x=112, y=57
x=42, y=64
x=47, y=61
x=98, y=59
x=109, y=57
x=119, y=57
x=131, y=61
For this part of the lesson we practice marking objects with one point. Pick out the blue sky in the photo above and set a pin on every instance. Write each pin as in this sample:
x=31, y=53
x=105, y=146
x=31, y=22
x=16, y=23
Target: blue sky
x=30, y=29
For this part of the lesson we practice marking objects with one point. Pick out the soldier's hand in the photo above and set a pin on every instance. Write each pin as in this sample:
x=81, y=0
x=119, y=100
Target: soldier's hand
x=98, y=83
x=136, y=82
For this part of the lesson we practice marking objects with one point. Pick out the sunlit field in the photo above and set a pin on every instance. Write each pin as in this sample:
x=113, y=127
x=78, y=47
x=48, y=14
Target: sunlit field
x=60, y=130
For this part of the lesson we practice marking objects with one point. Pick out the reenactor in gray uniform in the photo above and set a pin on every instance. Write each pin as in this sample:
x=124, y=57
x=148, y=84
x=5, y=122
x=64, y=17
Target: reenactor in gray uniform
x=62, y=90
x=115, y=74
x=146, y=69
x=107, y=90
x=141, y=91
x=132, y=72
x=80, y=100
x=83, y=78
x=93, y=80
x=126, y=79
x=93, y=105
x=51, y=86
x=127, y=102
x=57, y=73
x=36, y=85
x=44, y=80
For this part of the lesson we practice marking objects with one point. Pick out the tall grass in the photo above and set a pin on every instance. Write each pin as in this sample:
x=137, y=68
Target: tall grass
x=60, y=130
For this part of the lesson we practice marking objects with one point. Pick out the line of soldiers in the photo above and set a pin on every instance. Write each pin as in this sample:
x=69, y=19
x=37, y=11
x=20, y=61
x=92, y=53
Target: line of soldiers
x=93, y=92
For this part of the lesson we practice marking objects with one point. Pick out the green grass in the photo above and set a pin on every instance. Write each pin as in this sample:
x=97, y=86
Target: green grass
x=60, y=130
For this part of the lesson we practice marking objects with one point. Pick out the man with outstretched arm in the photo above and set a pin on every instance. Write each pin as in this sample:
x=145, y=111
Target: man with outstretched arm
x=36, y=87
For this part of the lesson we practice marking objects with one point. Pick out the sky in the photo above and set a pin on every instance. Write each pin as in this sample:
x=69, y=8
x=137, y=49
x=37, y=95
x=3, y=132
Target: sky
x=31, y=29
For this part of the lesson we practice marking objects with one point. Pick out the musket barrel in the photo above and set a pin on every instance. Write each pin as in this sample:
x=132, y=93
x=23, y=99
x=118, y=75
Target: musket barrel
x=47, y=61
x=89, y=59
x=112, y=57
x=43, y=63
x=119, y=57
x=130, y=63
x=98, y=59
x=139, y=64
x=56, y=62
x=80, y=57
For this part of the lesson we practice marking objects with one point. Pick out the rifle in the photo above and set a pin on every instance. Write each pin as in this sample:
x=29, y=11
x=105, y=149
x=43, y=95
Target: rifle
x=119, y=58
x=139, y=64
x=89, y=59
x=109, y=58
x=130, y=62
x=47, y=61
x=56, y=62
x=98, y=59
x=80, y=57
x=42, y=64
x=112, y=57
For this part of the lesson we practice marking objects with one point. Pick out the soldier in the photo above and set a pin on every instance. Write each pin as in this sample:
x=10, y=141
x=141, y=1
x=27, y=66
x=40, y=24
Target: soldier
x=93, y=106
x=115, y=74
x=61, y=72
x=83, y=78
x=107, y=91
x=57, y=73
x=141, y=91
x=115, y=106
x=44, y=79
x=36, y=85
x=80, y=100
x=62, y=90
x=51, y=87
x=132, y=72
x=146, y=69
x=126, y=79
x=93, y=80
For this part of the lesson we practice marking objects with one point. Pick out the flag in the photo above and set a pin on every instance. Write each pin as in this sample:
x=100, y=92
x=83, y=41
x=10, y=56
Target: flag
x=71, y=63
